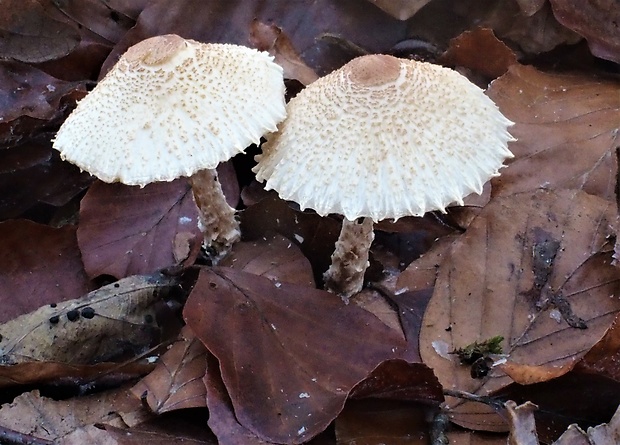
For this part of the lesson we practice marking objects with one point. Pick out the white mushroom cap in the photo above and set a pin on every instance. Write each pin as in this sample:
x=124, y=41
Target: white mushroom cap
x=384, y=138
x=171, y=107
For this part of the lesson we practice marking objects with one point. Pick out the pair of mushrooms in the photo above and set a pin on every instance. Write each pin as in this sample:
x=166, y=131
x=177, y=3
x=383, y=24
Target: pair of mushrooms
x=379, y=138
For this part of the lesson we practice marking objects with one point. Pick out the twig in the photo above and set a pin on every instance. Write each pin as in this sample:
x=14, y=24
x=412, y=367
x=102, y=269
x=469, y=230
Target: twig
x=11, y=437
x=491, y=401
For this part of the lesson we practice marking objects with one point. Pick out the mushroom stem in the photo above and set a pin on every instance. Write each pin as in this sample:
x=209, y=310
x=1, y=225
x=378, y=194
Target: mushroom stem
x=345, y=276
x=217, y=218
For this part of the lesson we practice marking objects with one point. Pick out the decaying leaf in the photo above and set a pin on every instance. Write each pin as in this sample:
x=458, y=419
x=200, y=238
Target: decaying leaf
x=522, y=423
x=49, y=419
x=534, y=268
x=310, y=346
x=116, y=319
x=596, y=21
x=465, y=51
x=400, y=9
x=177, y=381
x=566, y=129
x=39, y=265
x=30, y=34
x=127, y=231
x=275, y=42
x=272, y=256
x=603, y=434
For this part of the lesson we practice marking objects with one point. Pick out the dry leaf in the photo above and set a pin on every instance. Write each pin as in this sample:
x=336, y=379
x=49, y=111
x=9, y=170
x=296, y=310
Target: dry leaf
x=304, y=342
x=596, y=21
x=115, y=319
x=39, y=265
x=177, y=381
x=604, y=434
x=534, y=269
x=272, y=256
x=127, y=231
x=566, y=130
x=400, y=9
x=522, y=423
x=275, y=42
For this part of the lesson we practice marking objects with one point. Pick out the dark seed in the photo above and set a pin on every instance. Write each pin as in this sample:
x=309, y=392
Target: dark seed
x=54, y=319
x=73, y=315
x=88, y=312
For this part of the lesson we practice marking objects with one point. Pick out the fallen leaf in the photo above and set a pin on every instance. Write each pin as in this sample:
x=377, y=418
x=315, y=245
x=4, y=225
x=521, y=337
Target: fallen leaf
x=372, y=422
x=274, y=257
x=604, y=358
x=39, y=265
x=114, y=320
x=535, y=269
x=566, y=130
x=222, y=418
x=596, y=21
x=603, y=434
x=522, y=423
x=303, y=341
x=465, y=51
x=177, y=380
x=45, y=418
x=29, y=34
x=275, y=42
x=400, y=9
x=127, y=231
x=32, y=176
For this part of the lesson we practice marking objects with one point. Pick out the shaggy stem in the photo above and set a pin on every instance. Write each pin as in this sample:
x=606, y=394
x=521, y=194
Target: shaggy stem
x=345, y=276
x=217, y=218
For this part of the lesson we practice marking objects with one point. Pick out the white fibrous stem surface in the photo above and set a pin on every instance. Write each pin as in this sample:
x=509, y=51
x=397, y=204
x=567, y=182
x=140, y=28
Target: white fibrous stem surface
x=217, y=218
x=345, y=276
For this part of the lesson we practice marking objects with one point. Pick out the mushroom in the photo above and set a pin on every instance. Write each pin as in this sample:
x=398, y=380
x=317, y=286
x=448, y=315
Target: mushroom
x=381, y=138
x=172, y=107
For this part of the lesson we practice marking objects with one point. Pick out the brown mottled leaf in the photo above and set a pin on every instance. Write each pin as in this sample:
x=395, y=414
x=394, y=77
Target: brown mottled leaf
x=604, y=358
x=107, y=323
x=465, y=51
x=275, y=42
x=177, y=380
x=29, y=34
x=596, y=21
x=130, y=230
x=534, y=268
x=39, y=265
x=274, y=257
x=304, y=341
x=566, y=129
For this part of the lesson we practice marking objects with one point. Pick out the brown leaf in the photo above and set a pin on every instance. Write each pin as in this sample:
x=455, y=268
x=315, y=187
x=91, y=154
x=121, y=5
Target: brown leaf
x=599, y=435
x=29, y=34
x=465, y=51
x=32, y=101
x=316, y=236
x=596, y=21
x=522, y=423
x=372, y=422
x=88, y=329
x=274, y=257
x=50, y=419
x=222, y=418
x=275, y=42
x=604, y=357
x=534, y=269
x=400, y=9
x=303, y=341
x=32, y=174
x=176, y=382
x=39, y=265
x=566, y=130
x=126, y=230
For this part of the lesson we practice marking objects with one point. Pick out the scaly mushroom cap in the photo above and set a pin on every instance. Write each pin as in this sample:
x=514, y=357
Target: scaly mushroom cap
x=171, y=107
x=384, y=138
